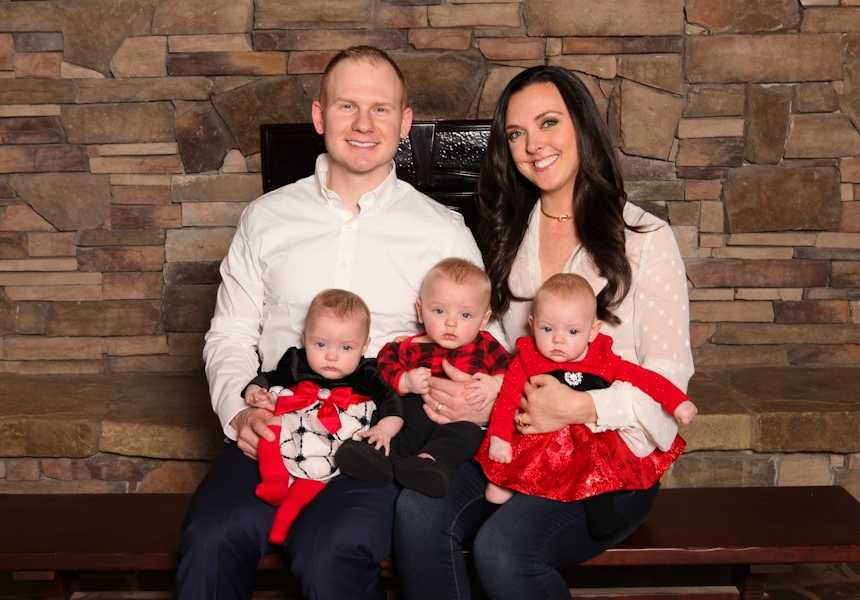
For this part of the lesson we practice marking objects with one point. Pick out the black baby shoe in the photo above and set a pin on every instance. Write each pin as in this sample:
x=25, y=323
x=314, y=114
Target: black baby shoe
x=423, y=475
x=360, y=460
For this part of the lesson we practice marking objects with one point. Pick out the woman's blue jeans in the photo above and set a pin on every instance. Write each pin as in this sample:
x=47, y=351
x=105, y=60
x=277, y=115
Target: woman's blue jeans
x=518, y=552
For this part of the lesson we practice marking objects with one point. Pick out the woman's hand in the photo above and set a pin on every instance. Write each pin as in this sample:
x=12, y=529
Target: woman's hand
x=446, y=401
x=549, y=405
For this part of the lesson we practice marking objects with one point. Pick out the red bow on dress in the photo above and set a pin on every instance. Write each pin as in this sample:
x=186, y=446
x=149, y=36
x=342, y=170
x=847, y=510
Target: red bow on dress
x=307, y=393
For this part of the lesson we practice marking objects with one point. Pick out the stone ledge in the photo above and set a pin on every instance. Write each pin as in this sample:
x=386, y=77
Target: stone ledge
x=168, y=416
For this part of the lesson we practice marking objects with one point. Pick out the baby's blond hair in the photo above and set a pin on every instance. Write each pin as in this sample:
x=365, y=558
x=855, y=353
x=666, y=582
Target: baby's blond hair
x=460, y=271
x=567, y=286
x=341, y=304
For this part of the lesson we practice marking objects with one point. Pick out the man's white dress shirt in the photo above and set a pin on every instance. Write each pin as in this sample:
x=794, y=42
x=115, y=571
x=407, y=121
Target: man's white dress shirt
x=298, y=240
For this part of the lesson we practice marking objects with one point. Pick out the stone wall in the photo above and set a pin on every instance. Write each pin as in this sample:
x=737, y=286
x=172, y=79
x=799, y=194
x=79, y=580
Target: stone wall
x=129, y=144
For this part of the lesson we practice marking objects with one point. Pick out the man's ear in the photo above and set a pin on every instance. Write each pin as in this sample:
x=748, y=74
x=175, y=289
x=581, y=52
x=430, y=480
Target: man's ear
x=595, y=329
x=317, y=117
x=418, y=310
x=405, y=122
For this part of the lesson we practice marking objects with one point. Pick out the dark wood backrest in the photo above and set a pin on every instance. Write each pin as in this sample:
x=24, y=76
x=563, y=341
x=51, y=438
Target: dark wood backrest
x=440, y=158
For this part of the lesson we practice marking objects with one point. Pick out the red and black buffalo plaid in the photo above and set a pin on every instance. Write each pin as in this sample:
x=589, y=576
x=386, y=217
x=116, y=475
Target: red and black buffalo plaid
x=484, y=355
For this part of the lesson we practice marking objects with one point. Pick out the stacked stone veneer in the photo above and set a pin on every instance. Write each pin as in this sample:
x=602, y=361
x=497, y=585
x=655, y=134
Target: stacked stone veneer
x=129, y=145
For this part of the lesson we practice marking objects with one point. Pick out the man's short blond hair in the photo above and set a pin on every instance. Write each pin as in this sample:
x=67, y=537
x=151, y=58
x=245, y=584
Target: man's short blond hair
x=566, y=286
x=340, y=304
x=460, y=271
x=371, y=54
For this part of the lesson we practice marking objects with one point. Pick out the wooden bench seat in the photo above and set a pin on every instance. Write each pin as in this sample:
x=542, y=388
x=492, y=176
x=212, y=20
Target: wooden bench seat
x=741, y=527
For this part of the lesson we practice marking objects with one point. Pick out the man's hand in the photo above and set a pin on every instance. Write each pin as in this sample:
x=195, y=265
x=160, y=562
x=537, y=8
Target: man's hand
x=483, y=390
x=380, y=434
x=250, y=425
x=446, y=401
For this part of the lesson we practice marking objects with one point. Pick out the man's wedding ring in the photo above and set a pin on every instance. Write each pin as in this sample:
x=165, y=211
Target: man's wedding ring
x=438, y=407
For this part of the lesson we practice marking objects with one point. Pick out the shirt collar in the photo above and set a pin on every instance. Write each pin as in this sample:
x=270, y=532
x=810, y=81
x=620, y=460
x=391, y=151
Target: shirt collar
x=382, y=195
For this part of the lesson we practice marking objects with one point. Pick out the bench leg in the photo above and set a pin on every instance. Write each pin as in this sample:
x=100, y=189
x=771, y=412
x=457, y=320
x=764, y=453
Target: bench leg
x=750, y=587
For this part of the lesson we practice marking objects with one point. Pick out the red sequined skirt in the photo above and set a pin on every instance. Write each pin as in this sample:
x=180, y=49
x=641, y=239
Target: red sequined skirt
x=574, y=463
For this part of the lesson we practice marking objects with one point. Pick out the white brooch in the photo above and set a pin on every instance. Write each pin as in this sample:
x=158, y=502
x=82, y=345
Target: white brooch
x=324, y=393
x=572, y=378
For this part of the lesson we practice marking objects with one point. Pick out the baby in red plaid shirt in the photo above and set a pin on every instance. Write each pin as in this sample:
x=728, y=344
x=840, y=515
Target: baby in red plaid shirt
x=454, y=307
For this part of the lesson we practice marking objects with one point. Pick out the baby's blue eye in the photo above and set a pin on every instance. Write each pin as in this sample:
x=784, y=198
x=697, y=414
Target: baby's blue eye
x=319, y=344
x=438, y=311
x=546, y=329
x=573, y=331
x=347, y=347
x=467, y=315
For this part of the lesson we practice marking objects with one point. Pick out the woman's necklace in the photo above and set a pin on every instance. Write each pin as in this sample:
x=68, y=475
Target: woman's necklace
x=559, y=218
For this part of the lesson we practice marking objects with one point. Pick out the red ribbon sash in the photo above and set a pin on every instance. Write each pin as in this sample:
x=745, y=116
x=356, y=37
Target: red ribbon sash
x=307, y=393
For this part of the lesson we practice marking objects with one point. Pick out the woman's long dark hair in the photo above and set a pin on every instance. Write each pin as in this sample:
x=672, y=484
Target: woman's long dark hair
x=506, y=198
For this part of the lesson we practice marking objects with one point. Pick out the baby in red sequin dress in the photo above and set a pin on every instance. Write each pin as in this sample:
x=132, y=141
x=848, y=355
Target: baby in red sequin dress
x=321, y=395
x=573, y=463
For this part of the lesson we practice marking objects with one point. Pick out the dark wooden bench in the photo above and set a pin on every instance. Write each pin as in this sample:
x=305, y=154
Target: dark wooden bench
x=737, y=527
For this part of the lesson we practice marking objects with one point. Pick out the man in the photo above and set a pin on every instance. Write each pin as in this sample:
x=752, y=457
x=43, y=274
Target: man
x=352, y=225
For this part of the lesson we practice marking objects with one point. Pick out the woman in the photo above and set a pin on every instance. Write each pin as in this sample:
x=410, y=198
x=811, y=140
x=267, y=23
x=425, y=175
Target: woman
x=552, y=200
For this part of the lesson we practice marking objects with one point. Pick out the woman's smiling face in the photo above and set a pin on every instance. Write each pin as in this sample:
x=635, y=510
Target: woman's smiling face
x=542, y=138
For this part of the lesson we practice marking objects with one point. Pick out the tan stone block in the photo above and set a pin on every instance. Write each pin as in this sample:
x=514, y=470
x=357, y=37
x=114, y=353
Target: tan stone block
x=43, y=65
x=624, y=17
x=715, y=100
x=143, y=164
x=156, y=364
x=118, y=123
x=7, y=52
x=103, y=237
x=140, y=57
x=308, y=62
x=63, y=487
x=401, y=17
x=37, y=91
x=683, y=213
x=203, y=16
x=13, y=245
x=649, y=120
x=20, y=217
x=712, y=294
x=132, y=194
x=143, y=89
x=710, y=240
x=209, y=214
x=465, y=15
x=768, y=111
x=763, y=58
x=599, y=65
x=236, y=42
x=146, y=217
x=54, y=293
x=637, y=168
x=710, y=127
x=31, y=130
x=50, y=279
x=132, y=285
x=741, y=311
x=769, y=198
x=130, y=346
x=824, y=20
x=216, y=188
x=53, y=367
x=753, y=253
x=706, y=189
x=158, y=440
x=131, y=258
x=757, y=273
x=846, y=192
x=700, y=333
x=850, y=222
x=845, y=274
x=59, y=468
x=115, y=468
x=105, y=318
x=837, y=240
x=823, y=311
x=40, y=348
x=71, y=71
x=275, y=14
x=326, y=39
x=197, y=244
x=140, y=180
x=772, y=239
x=786, y=294
x=710, y=152
x=688, y=240
x=815, y=97
x=39, y=42
x=22, y=469
x=51, y=244
x=819, y=355
x=234, y=162
x=662, y=71
x=173, y=477
x=805, y=469
x=136, y=149
x=496, y=81
x=822, y=136
x=185, y=344
x=784, y=333
x=618, y=45
x=30, y=110
x=744, y=16
x=720, y=469
x=39, y=264
x=713, y=217
x=718, y=432
x=822, y=2
x=513, y=48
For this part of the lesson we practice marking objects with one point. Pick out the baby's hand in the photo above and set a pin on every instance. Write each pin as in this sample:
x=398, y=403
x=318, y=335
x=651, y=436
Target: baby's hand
x=500, y=450
x=416, y=381
x=259, y=397
x=686, y=412
x=380, y=434
x=483, y=390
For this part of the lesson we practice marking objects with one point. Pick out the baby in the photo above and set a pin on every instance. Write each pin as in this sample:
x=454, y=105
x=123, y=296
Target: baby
x=321, y=394
x=454, y=307
x=569, y=464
